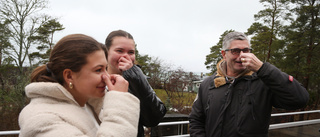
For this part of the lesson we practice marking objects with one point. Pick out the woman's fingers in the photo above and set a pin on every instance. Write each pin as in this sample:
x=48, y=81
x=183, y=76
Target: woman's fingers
x=125, y=63
x=116, y=82
x=106, y=79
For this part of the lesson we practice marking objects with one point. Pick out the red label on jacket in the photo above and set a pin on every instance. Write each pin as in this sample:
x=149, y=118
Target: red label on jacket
x=290, y=78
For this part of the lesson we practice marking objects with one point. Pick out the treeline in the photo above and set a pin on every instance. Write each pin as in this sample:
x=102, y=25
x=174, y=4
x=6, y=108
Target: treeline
x=26, y=38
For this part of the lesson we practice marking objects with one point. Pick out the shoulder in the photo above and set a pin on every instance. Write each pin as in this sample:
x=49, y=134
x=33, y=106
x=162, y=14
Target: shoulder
x=41, y=107
x=133, y=72
x=31, y=118
x=209, y=79
x=39, y=115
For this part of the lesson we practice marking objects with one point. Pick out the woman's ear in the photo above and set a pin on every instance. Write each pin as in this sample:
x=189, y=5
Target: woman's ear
x=67, y=75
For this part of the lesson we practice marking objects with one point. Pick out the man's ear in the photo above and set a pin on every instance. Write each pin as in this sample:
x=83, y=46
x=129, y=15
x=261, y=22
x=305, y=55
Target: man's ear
x=67, y=75
x=223, y=53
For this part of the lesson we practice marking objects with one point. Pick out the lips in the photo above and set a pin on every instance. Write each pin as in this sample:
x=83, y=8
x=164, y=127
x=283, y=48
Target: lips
x=101, y=87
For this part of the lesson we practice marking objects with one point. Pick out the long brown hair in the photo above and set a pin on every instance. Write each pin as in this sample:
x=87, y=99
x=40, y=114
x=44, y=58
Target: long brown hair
x=69, y=53
x=116, y=33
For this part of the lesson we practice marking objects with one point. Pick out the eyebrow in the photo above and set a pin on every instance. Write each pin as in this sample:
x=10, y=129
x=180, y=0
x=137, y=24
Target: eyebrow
x=124, y=49
x=97, y=66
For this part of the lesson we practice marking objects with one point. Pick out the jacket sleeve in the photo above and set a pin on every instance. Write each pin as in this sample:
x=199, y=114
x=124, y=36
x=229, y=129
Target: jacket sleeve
x=120, y=115
x=197, y=116
x=152, y=110
x=287, y=92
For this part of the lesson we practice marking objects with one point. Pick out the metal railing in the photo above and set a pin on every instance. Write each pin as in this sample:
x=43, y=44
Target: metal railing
x=272, y=126
x=294, y=124
x=181, y=123
x=15, y=132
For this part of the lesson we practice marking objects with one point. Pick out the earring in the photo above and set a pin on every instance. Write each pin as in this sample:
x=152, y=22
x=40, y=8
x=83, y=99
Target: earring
x=70, y=85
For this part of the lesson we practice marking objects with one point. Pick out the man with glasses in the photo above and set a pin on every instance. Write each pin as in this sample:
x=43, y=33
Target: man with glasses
x=236, y=101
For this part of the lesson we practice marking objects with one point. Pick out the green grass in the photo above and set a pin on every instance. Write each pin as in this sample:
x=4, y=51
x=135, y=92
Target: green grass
x=175, y=101
x=161, y=94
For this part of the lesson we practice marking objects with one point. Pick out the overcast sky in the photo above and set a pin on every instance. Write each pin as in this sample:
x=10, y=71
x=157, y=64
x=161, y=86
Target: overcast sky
x=179, y=32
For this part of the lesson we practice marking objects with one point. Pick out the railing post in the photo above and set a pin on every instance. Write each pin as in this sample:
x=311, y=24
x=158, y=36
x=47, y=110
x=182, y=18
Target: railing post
x=181, y=132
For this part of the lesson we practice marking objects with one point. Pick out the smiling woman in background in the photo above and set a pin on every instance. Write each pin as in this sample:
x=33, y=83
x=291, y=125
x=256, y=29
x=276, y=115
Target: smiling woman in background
x=121, y=58
x=68, y=94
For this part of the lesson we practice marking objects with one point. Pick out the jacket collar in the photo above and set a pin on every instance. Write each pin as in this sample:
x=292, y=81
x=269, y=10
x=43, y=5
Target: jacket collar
x=57, y=91
x=221, y=75
x=48, y=89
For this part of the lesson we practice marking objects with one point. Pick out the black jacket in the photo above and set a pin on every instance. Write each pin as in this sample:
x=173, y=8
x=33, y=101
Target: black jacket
x=243, y=108
x=152, y=110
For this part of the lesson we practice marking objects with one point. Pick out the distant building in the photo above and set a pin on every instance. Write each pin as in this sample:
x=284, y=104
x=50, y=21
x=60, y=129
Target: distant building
x=196, y=83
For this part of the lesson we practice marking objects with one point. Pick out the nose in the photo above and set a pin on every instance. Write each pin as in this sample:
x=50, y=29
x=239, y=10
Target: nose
x=125, y=55
x=241, y=52
x=105, y=72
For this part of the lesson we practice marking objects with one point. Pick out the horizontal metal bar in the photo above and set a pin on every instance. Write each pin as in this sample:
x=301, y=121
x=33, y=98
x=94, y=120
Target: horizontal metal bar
x=272, y=126
x=294, y=124
x=295, y=113
x=272, y=115
x=186, y=135
x=173, y=123
x=15, y=132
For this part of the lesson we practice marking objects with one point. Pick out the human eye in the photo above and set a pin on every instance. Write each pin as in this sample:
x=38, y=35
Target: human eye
x=235, y=51
x=246, y=50
x=98, y=70
x=119, y=50
x=131, y=52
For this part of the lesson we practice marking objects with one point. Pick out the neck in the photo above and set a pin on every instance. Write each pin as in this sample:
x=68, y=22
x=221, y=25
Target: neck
x=81, y=102
x=77, y=97
x=232, y=74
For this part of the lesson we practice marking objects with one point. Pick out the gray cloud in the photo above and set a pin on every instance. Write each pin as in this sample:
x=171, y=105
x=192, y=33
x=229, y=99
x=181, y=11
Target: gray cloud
x=179, y=32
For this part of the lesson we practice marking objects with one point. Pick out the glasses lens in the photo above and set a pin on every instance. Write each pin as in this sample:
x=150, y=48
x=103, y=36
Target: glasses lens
x=235, y=51
x=246, y=50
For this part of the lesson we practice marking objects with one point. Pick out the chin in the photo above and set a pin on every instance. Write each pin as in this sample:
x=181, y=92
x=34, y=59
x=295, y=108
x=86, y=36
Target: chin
x=100, y=95
x=103, y=93
x=240, y=69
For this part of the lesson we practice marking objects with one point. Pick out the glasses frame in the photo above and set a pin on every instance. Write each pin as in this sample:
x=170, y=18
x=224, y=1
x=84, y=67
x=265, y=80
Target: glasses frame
x=234, y=50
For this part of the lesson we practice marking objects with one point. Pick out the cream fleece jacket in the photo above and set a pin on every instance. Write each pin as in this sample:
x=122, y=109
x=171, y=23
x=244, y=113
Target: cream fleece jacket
x=53, y=112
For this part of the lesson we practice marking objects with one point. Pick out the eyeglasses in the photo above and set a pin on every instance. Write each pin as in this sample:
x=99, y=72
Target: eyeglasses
x=236, y=51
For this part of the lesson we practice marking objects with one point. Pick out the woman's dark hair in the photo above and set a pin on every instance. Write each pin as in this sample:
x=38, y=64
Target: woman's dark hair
x=69, y=53
x=116, y=33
